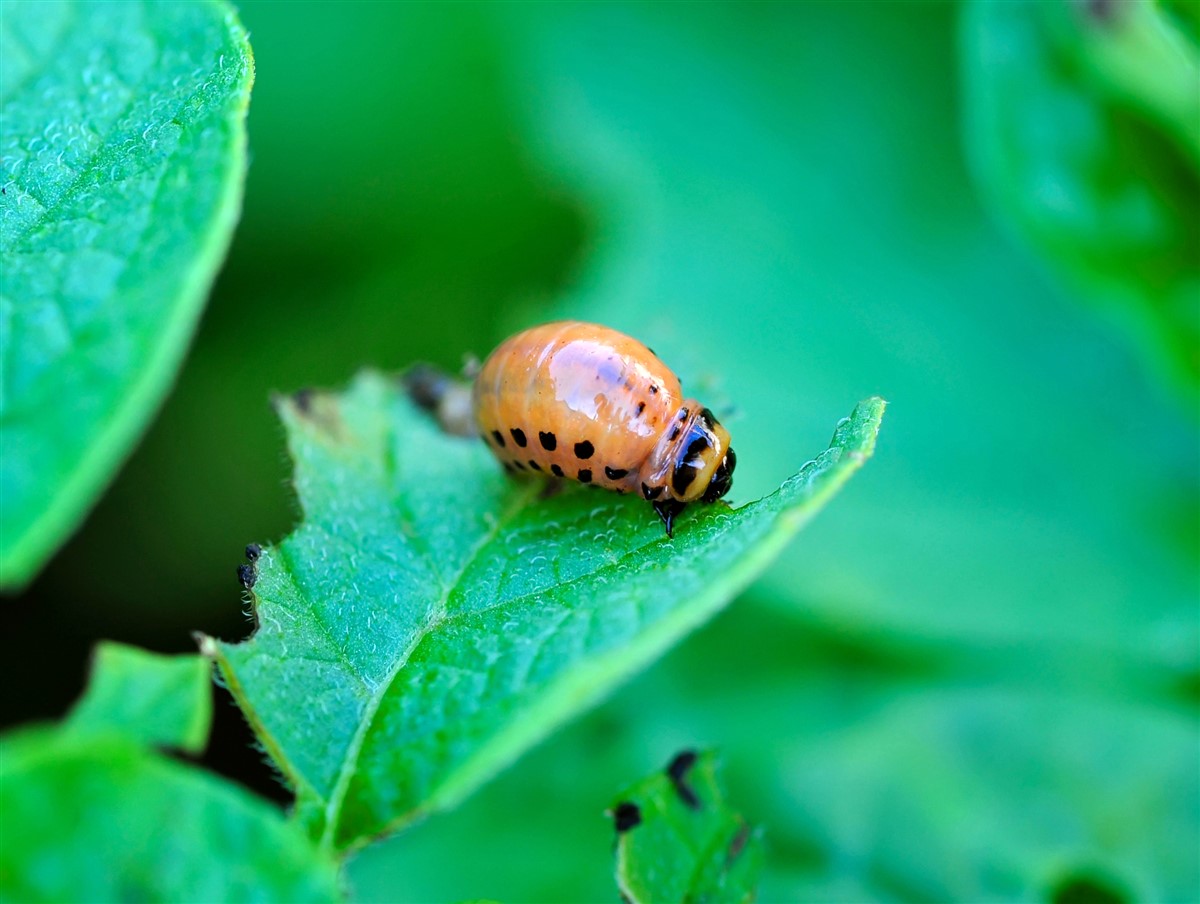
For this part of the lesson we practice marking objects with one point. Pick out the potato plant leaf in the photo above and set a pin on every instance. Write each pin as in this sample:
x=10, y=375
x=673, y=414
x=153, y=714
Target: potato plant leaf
x=1082, y=130
x=430, y=618
x=154, y=699
x=123, y=156
x=92, y=813
x=678, y=840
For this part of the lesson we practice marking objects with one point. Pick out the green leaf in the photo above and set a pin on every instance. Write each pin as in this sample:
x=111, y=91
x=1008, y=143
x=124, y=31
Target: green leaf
x=124, y=157
x=777, y=160
x=95, y=817
x=430, y=619
x=1082, y=130
x=678, y=840
x=147, y=697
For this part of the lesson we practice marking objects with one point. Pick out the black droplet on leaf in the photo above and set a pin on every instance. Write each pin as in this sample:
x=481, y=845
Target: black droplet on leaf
x=247, y=575
x=677, y=772
x=626, y=816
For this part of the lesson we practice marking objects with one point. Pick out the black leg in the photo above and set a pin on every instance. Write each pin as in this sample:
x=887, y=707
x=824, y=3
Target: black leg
x=668, y=509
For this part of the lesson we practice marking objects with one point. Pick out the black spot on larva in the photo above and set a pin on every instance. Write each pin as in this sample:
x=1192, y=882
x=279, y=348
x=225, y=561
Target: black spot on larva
x=519, y=466
x=247, y=575
x=640, y=408
x=697, y=445
x=682, y=478
x=585, y=476
x=584, y=450
x=556, y=470
x=708, y=417
x=626, y=816
x=683, y=414
x=533, y=464
x=509, y=467
x=653, y=389
x=651, y=351
x=499, y=438
x=548, y=440
x=677, y=772
x=614, y=473
x=518, y=436
x=674, y=433
x=253, y=551
x=651, y=492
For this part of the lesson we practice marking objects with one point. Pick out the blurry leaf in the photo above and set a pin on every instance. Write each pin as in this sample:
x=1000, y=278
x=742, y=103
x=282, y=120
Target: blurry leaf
x=95, y=817
x=147, y=697
x=124, y=156
x=878, y=775
x=430, y=619
x=1082, y=128
x=783, y=204
x=678, y=840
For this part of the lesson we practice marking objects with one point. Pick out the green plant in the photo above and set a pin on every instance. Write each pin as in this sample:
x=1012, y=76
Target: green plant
x=974, y=681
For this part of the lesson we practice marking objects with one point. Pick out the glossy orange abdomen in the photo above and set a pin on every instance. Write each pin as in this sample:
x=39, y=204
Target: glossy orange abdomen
x=583, y=402
x=576, y=400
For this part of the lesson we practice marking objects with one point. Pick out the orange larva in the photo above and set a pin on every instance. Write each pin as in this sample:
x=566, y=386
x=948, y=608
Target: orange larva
x=583, y=402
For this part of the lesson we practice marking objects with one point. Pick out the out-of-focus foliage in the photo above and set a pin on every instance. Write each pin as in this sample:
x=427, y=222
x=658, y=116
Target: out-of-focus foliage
x=163, y=700
x=1083, y=125
x=989, y=647
x=679, y=840
x=123, y=157
x=92, y=814
x=431, y=619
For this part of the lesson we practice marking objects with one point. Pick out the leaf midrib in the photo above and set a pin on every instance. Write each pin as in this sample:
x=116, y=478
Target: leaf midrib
x=437, y=618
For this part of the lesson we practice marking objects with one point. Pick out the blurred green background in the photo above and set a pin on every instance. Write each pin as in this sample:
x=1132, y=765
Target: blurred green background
x=977, y=675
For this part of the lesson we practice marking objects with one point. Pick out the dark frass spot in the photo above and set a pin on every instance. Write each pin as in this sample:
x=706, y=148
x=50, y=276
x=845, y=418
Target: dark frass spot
x=533, y=464
x=738, y=844
x=614, y=473
x=303, y=399
x=585, y=476
x=518, y=436
x=247, y=575
x=651, y=492
x=253, y=551
x=499, y=438
x=548, y=440
x=556, y=470
x=584, y=450
x=626, y=816
x=677, y=772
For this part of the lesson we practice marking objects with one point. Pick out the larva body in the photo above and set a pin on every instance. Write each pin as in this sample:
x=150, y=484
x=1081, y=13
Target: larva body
x=584, y=402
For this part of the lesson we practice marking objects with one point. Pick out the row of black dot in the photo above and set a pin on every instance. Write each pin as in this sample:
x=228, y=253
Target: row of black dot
x=583, y=450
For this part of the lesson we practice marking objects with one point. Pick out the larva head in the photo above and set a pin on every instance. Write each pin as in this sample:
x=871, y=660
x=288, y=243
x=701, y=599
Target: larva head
x=702, y=461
